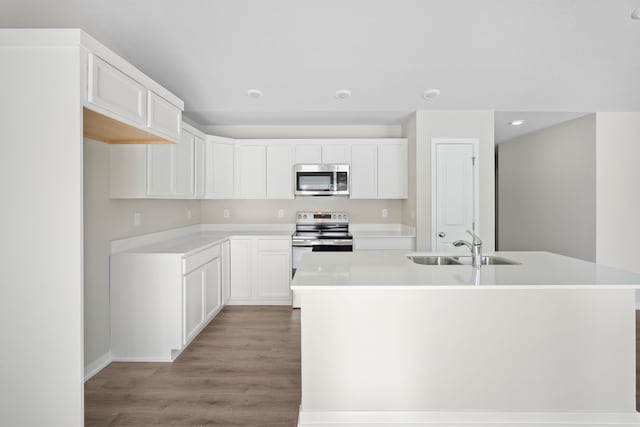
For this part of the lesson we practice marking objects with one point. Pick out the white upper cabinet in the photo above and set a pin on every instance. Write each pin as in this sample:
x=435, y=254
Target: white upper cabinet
x=199, y=167
x=114, y=91
x=184, y=165
x=392, y=170
x=336, y=153
x=308, y=153
x=280, y=171
x=364, y=171
x=164, y=118
x=219, y=166
x=250, y=171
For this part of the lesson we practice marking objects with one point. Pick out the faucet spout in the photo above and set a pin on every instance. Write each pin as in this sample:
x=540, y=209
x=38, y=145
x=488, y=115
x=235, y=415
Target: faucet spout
x=475, y=246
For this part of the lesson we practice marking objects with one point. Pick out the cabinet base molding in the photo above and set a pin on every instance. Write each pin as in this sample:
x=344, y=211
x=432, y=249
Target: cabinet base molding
x=286, y=301
x=465, y=419
x=97, y=365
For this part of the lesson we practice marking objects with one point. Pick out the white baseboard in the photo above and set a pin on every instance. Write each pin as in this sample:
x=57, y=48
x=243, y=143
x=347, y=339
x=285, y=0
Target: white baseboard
x=97, y=365
x=466, y=419
x=259, y=302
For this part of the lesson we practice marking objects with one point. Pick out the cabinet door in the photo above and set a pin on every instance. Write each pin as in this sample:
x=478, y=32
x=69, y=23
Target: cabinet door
x=241, y=269
x=280, y=172
x=111, y=89
x=164, y=118
x=198, y=164
x=184, y=165
x=392, y=171
x=273, y=273
x=219, y=170
x=212, y=289
x=364, y=171
x=161, y=169
x=225, y=267
x=336, y=153
x=193, y=304
x=250, y=171
x=308, y=153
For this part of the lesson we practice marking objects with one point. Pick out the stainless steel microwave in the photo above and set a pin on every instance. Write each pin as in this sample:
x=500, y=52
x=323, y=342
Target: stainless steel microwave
x=321, y=180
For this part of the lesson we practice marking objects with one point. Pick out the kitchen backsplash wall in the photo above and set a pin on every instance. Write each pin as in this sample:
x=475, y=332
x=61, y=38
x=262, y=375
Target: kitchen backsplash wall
x=266, y=211
x=105, y=220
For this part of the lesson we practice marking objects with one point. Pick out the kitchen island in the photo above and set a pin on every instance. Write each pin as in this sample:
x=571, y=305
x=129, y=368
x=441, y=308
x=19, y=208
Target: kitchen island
x=385, y=341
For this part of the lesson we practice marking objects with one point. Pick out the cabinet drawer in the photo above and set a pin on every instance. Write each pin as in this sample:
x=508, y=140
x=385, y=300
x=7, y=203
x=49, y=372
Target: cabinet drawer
x=279, y=245
x=165, y=119
x=196, y=260
x=111, y=89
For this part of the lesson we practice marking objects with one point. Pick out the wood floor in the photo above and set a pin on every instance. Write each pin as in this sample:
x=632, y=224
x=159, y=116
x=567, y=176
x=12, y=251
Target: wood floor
x=242, y=370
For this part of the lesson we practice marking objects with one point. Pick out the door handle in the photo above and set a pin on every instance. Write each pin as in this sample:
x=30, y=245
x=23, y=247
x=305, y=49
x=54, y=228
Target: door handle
x=442, y=234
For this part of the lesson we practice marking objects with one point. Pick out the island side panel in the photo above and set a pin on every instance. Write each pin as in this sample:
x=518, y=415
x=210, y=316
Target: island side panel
x=468, y=350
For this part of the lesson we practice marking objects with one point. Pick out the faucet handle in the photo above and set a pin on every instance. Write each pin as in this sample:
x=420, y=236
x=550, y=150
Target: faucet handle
x=476, y=239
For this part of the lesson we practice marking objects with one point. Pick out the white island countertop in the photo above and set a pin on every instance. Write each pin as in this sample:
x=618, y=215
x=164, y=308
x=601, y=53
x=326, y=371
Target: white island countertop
x=375, y=270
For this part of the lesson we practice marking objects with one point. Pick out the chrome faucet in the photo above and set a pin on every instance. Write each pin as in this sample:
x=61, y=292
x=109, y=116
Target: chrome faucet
x=475, y=246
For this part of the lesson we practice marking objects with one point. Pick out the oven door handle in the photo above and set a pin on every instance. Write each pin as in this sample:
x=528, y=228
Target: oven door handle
x=323, y=242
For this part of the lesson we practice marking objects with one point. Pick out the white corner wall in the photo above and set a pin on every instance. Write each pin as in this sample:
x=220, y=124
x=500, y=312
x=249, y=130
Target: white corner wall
x=105, y=220
x=409, y=205
x=618, y=190
x=546, y=190
x=41, y=375
x=454, y=124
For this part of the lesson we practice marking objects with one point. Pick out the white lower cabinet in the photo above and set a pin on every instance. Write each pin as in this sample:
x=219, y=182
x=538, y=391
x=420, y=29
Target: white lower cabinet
x=160, y=302
x=260, y=270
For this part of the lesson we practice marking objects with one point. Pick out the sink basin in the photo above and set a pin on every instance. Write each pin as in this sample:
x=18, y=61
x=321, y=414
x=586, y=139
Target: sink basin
x=434, y=260
x=486, y=260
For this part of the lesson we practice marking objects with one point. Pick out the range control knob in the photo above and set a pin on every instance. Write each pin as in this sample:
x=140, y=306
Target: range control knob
x=305, y=216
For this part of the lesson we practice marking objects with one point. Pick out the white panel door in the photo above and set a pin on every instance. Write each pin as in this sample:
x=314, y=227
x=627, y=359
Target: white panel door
x=164, y=118
x=241, y=269
x=193, y=307
x=161, y=169
x=392, y=171
x=280, y=171
x=250, y=171
x=336, y=153
x=213, y=287
x=308, y=153
x=184, y=165
x=219, y=170
x=455, y=204
x=199, y=167
x=364, y=171
x=273, y=274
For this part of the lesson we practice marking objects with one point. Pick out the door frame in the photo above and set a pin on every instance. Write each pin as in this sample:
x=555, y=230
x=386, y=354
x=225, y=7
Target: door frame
x=475, y=143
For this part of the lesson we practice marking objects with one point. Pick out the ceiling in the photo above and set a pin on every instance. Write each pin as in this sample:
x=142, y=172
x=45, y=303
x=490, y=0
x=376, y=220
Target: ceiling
x=503, y=55
x=504, y=131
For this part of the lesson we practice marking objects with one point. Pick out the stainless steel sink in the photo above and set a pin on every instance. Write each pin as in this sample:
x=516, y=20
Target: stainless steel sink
x=434, y=260
x=486, y=260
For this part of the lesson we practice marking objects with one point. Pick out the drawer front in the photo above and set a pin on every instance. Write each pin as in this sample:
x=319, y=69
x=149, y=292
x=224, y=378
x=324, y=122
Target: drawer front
x=116, y=92
x=165, y=119
x=274, y=245
x=383, y=243
x=201, y=258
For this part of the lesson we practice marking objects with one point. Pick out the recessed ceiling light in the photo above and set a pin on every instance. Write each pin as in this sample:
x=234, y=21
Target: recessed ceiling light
x=430, y=94
x=343, y=94
x=517, y=123
x=635, y=14
x=255, y=93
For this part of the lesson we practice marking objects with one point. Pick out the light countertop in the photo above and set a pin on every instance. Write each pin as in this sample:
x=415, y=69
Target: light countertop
x=373, y=269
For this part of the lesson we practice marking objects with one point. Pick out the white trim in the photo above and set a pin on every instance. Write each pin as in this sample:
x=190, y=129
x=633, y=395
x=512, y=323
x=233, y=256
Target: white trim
x=475, y=142
x=97, y=365
x=460, y=419
x=129, y=243
x=280, y=301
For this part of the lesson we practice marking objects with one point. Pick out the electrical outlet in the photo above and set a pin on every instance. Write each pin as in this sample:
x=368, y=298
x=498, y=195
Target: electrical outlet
x=385, y=213
x=189, y=214
x=280, y=213
x=137, y=218
x=226, y=213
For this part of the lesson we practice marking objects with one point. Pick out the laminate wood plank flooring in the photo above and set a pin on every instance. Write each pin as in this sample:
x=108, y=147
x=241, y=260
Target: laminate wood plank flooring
x=242, y=370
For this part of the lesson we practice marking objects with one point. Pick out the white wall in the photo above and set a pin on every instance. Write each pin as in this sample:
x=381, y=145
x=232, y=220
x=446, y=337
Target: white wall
x=41, y=378
x=409, y=205
x=454, y=124
x=105, y=220
x=618, y=190
x=547, y=190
